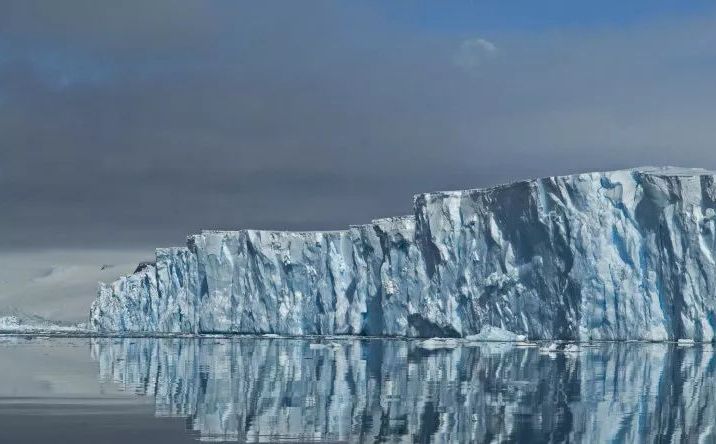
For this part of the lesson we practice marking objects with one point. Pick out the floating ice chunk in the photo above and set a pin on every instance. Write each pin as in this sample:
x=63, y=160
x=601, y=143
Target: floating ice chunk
x=551, y=348
x=496, y=334
x=438, y=343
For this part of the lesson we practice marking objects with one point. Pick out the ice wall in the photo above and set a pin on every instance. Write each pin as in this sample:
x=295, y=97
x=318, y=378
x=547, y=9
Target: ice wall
x=617, y=255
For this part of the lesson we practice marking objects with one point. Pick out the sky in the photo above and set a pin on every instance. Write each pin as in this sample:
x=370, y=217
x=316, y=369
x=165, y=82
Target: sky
x=132, y=124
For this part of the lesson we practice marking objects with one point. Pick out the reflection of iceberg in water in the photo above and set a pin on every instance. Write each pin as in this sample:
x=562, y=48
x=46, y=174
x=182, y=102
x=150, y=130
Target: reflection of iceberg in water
x=369, y=390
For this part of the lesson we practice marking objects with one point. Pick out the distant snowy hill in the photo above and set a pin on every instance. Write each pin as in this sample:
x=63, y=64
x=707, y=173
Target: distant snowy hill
x=58, y=284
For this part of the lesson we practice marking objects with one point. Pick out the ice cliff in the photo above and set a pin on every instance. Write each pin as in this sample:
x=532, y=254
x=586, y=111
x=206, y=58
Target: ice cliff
x=615, y=255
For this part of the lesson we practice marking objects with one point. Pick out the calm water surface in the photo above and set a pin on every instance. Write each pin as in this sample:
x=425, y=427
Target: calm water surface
x=277, y=390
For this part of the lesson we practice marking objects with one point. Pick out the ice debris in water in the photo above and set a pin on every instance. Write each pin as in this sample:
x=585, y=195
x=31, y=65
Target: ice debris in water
x=620, y=255
x=550, y=348
x=490, y=333
x=438, y=343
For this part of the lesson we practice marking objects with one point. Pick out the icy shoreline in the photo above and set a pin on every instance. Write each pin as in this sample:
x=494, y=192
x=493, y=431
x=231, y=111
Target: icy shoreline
x=431, y=343
x=23, y=324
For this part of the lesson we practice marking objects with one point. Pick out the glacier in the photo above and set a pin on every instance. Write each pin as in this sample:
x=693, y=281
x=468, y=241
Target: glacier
x=618, y=255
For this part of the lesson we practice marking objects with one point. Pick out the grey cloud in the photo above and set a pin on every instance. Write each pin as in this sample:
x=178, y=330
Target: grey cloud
x=142, y=122
x=474, y=52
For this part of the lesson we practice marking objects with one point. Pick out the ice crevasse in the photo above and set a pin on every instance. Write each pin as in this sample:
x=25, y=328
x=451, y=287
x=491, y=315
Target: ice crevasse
x=614, y=255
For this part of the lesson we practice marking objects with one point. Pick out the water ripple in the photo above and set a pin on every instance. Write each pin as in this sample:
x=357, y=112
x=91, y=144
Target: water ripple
x=252, y=389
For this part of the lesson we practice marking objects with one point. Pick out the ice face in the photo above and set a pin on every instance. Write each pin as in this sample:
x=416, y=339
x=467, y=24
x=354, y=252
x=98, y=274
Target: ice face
x=617, y=255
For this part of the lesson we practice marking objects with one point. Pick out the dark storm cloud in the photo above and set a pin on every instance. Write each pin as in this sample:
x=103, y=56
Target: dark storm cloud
x=138, y=122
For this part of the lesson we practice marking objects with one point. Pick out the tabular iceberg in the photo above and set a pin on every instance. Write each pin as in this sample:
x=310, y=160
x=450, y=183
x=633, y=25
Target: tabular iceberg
x=615, y=255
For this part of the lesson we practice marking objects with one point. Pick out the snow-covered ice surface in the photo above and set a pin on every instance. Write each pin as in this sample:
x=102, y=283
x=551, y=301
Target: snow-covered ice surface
x=616, y=255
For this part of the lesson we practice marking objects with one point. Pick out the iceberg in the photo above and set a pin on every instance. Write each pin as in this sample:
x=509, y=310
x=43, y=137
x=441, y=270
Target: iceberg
x=619, y=255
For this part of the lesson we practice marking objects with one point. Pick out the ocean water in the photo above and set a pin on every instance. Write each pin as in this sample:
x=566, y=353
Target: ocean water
x=159, y=390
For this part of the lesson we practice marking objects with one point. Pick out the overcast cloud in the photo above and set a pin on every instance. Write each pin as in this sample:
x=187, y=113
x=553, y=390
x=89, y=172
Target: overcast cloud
x=135, y=123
